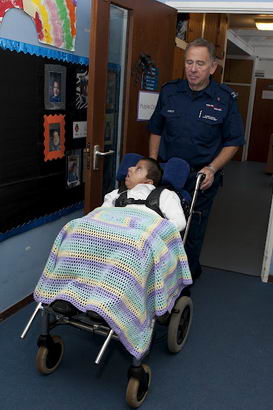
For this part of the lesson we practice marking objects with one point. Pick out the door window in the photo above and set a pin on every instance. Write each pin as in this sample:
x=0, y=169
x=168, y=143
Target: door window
x=114, y=96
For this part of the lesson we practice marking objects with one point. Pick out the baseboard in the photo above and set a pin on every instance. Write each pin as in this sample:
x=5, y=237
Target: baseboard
x=16, y=307
x=270, y=278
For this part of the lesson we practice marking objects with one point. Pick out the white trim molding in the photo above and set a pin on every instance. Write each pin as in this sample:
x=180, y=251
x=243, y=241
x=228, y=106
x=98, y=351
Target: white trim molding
x=234, y=7
x=268, y=248
x=235, y=39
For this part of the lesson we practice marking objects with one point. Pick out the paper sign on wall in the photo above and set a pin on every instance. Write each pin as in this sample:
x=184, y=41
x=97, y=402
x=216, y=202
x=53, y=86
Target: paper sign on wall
x=146, y=104
x=79, y=129
x=267, y=95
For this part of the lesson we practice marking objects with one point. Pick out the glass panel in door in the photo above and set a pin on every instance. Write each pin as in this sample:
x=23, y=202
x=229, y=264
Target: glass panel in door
x=115, y=90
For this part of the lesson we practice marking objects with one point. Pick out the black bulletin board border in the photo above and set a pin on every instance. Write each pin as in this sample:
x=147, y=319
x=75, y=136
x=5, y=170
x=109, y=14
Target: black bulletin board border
x=29, y=186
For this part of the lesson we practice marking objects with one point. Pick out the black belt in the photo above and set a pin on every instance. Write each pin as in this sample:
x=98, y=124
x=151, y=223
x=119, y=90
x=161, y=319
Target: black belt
x=196, y=169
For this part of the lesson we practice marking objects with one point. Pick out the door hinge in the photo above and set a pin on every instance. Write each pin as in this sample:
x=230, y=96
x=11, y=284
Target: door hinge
x=86, y=153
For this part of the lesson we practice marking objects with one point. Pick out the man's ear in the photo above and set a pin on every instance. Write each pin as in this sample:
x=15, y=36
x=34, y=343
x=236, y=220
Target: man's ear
x=149, y=181
x=213, y=67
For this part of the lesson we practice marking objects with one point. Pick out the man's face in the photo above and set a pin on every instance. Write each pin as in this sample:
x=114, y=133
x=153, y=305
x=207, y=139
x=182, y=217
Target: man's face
x=137, y=175
x=56, y=88
x=199, y=66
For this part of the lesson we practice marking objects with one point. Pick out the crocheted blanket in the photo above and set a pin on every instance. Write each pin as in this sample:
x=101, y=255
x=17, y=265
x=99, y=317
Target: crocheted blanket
x=126, y=264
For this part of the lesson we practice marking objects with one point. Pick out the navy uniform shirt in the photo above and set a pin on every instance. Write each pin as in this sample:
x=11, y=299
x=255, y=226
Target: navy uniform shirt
x=196, y=125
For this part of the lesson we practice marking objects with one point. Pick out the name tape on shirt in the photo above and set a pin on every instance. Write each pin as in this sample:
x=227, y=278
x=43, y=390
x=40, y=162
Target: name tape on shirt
x=206, y=116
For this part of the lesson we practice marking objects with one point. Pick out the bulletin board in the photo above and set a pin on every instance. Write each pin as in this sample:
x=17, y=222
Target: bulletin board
x=36, y=136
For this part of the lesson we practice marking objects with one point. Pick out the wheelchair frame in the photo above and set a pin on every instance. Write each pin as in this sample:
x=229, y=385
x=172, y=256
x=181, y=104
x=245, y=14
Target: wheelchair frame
x=51, y=348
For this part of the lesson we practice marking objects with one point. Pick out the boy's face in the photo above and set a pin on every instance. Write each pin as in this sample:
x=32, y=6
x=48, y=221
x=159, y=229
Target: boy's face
x=137, y=175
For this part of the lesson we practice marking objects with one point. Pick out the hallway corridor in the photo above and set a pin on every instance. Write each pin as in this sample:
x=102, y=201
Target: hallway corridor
x=237, y=228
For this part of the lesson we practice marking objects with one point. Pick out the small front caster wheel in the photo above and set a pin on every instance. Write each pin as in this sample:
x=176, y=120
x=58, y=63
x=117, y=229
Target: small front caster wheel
x=180, y=323
x=48, y=359
x=135, y=395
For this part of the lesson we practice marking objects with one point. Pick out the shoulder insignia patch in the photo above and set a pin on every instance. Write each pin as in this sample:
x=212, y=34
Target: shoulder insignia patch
x=171, y=82
x=229, y=90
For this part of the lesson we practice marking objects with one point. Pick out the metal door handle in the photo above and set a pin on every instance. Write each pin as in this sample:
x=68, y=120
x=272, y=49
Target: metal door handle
x=97, y=154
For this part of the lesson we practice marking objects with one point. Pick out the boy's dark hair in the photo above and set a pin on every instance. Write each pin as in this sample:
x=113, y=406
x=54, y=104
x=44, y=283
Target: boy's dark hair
x=154, y=171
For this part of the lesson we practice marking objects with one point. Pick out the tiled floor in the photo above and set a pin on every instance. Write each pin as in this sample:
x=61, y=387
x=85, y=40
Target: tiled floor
x=237, y=228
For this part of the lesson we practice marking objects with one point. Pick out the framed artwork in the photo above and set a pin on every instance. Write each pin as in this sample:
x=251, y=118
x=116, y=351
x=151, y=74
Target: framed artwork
x=79, y=129
x=54, y=136
x=55, y=87
x=73, y=168
x=81, y=89
x=109, y=128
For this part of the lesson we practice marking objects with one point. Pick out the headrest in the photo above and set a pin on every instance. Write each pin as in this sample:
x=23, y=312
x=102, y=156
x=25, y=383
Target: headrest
x=129, y=160
x=175, y=170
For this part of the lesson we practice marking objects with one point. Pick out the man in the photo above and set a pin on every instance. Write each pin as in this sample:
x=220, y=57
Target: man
x=198, y=120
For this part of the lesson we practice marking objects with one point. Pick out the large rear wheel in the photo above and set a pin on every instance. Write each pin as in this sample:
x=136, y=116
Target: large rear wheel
x=179, y=324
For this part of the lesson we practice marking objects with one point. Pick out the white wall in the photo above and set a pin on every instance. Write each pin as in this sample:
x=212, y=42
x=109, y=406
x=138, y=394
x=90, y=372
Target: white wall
x=23, y=258
x=266, y=65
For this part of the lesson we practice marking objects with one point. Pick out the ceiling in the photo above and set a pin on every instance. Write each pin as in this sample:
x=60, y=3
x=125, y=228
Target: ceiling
x=242, y=27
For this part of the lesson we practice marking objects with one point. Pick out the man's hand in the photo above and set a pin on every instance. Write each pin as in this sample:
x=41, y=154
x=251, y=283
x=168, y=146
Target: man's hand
x=209, y=172
x=154, y=146
x=222, y=159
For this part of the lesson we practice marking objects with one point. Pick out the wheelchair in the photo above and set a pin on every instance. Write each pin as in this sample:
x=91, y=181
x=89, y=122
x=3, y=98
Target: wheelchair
x=177, y=320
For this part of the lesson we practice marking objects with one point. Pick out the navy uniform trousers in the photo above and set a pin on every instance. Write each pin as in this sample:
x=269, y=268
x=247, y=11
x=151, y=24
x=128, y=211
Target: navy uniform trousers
x=199, y=220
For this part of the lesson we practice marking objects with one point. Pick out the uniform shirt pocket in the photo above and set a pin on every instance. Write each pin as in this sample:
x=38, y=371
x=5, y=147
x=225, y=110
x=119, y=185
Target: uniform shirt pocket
x=173, y=121
x=210, y=123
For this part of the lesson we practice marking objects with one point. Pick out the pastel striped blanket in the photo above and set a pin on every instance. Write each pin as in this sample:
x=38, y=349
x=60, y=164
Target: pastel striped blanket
x=126, y=264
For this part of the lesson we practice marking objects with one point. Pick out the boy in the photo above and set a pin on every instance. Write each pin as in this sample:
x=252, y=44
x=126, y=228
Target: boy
x=140, y=181
x=127, y=265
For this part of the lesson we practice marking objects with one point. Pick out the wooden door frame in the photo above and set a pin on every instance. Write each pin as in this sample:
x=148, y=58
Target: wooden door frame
x=97, y=75
x=260, y=135
x=99, y=43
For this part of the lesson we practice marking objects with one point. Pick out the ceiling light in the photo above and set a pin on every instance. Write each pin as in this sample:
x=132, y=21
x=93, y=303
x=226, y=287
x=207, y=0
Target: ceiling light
x=264, y=24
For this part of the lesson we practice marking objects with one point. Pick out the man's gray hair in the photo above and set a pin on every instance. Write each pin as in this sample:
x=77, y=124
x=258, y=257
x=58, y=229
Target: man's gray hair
x=202, y=42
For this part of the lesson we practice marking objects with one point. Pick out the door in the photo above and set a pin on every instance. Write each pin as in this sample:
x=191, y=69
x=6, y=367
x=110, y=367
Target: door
x=121, y=31
x=262, y=121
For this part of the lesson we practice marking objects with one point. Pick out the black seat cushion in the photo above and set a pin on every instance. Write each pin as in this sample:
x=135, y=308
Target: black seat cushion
x=64, y=308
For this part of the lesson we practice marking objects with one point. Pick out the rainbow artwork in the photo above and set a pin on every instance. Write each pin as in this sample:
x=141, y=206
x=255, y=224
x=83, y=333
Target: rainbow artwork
x=55, y=20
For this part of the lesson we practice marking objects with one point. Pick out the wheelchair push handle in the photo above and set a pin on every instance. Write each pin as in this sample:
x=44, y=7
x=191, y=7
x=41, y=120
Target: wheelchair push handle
x=199, y=179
